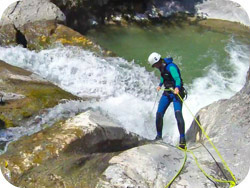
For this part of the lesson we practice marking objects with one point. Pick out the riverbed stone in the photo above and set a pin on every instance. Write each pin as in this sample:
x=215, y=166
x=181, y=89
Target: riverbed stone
x=88, y=138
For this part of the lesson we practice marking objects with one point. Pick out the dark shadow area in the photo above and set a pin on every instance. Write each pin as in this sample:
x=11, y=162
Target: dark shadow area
x=1, y=101
x=83, y=15
x=20, y=38
x=194, y=132
x=2, y=124
x=100, y=144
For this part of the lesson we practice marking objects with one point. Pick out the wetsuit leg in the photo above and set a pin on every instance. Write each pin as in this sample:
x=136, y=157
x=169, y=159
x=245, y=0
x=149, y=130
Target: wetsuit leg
x=179, y=117
x=163, y=105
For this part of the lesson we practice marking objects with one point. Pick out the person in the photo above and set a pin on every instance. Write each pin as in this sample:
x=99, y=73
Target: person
x=172, y=81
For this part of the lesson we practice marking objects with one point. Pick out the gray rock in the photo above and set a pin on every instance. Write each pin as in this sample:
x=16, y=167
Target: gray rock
x=153, y=166
x=86, y=133
x=144, y=166
x=10, y=96
x=26, y=11
x=227, y=124
x=231, y=11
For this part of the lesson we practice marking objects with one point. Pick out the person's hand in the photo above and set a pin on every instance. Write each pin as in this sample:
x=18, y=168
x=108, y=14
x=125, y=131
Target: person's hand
x=176, y=91
x=158, y=88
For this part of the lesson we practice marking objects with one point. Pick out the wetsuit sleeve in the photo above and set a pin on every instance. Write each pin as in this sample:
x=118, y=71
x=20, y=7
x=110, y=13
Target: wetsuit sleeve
x=173, y=71
x=161, y=82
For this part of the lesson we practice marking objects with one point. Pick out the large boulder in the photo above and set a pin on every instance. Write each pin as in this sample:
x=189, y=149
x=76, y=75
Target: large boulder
x=231, y=11
x=227, y=123
x=151, y=165
x=21, y=13
x=38, y=25
x=85, y=139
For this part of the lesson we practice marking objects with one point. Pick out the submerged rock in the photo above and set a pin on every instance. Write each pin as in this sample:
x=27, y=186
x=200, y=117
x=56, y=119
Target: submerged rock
x=83, y=144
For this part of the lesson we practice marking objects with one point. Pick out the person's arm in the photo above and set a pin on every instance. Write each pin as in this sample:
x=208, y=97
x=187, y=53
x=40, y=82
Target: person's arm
x=161, y=82
x=173, y=71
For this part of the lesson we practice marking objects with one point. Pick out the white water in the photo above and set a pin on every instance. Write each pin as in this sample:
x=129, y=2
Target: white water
x=123, y=90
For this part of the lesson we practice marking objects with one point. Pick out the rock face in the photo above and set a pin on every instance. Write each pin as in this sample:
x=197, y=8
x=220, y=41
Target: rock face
x=79, y=141
x=231, y=11
x=154, y=165
x=144, y=166
x=227, y=123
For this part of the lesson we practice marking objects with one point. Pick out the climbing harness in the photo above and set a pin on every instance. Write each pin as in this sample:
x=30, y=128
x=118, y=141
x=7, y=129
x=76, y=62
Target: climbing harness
x=231, y=182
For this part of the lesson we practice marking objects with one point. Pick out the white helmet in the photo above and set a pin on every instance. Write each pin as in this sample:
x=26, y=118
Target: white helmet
x=154, y=58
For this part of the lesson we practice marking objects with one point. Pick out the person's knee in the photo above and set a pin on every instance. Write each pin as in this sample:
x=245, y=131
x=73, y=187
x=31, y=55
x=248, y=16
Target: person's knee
x=159, y=115
x=179, y=117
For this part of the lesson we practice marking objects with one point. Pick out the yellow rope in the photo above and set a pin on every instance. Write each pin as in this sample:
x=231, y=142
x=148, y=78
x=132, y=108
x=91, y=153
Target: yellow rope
x=178, y=173
x=232, y=183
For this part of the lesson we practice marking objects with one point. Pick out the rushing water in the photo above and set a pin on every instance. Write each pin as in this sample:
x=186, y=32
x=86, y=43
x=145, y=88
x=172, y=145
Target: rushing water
x=124, y=90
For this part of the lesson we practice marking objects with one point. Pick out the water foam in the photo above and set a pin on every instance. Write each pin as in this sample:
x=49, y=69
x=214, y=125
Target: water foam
x=126, y=91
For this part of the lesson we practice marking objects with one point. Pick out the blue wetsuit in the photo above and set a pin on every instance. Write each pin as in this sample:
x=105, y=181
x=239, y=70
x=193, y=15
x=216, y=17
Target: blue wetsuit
x=171, y=78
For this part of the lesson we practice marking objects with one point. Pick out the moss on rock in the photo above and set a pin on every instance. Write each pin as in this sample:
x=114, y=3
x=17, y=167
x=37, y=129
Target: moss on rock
x=73, y=153
x=38, y=95
x=5, y=122
x=44, y=34
x=70, y=170
x=7, y=35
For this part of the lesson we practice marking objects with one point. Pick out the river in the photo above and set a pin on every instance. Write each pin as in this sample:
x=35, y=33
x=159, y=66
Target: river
x=213, y=65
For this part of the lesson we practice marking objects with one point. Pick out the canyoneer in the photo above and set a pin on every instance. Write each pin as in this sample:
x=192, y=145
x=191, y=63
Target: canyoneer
x=172, y=81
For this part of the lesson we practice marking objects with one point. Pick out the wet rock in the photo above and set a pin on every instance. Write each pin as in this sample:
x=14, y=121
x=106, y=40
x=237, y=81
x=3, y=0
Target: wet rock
x=25, y=94
x=227, y=123
x=86, y=139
